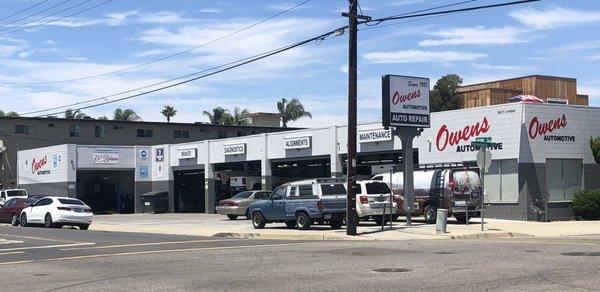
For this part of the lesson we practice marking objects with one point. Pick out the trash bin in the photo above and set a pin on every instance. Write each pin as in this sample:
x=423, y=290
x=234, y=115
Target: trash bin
x=155, y=202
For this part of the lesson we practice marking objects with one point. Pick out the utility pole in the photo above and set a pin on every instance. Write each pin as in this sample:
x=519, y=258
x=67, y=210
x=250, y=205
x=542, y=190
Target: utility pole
x=351, y=217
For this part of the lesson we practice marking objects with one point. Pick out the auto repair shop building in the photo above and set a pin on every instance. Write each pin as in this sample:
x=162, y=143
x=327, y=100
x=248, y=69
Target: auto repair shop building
x=542, y=158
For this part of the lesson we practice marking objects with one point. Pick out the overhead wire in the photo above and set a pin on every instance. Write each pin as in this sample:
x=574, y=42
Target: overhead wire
x=37, y=13
x=165, y=57
x=23, y=10
x=60, y=18
x=265, y=55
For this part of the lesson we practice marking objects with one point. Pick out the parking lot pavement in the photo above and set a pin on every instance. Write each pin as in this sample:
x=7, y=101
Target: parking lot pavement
x=20, y=245
x=218, y=225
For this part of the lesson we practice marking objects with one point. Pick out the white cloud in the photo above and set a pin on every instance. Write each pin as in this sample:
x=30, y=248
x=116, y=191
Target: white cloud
x=488, y=67
x=417, y=56
x=554, y=17
x=25, y=54
x=8, y=50
x=475, y=36
x=209, y=10
x=579, y=46
x=593, y=92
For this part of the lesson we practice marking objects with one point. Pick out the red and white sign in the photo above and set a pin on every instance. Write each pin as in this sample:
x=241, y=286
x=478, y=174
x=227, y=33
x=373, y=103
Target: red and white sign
x=452, y=137
x=539, y=128
x=405, y=101
x=106, y=157
x=37, y=164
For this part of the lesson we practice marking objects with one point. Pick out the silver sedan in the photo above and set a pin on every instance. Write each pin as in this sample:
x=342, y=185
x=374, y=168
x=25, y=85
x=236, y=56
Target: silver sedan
x=238, y=204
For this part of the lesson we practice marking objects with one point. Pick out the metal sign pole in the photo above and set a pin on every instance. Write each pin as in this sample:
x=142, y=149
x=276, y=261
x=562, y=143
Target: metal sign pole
x=483, y=190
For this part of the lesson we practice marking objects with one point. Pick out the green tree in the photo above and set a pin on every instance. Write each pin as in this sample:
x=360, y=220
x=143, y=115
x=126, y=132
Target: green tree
x=443, y=97
x=595, y=146
x=12, y=114
x=103, y=118
x=125, y=115
x=168, y=112
x=74, y=114
x=239, y=117
x=219, y=115
x=291, y=110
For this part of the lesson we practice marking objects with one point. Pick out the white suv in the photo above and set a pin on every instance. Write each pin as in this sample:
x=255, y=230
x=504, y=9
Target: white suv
x=372, y=199
x=6, y=195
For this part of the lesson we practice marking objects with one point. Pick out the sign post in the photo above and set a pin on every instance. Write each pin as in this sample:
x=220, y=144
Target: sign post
x=484, y=160
x=405, y=105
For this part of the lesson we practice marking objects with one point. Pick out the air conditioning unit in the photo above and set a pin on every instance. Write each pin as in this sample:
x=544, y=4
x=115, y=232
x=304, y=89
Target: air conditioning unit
x=557, y=100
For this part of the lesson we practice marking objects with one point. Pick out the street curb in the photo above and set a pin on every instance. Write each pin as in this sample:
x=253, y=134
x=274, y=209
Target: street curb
x=287, y=236
x=489, y=235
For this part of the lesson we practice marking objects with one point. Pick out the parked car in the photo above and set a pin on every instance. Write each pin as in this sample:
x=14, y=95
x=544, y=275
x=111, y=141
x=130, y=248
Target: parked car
x=238, y=204
x=373, y=200
x=11, y=210
x=6, y=195
x=299, y=204
x=456, y=190
x=56, y=212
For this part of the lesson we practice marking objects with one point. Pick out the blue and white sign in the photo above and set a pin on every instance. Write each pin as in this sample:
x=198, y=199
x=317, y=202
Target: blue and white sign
x=143, y=171
x=160, y=154
x=144, y=154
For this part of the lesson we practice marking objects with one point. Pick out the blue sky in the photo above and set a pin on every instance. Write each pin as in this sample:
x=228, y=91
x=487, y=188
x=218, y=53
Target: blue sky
x=549, y=37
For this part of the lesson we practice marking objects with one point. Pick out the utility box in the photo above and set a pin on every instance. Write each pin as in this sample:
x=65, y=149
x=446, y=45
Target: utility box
x=155, y=202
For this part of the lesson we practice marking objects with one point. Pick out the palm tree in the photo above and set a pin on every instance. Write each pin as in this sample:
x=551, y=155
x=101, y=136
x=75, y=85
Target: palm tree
x=126, y=115
x=74, y=114
x=291, y=110
x=168, y=112
x=239, y=117
x=219, y=115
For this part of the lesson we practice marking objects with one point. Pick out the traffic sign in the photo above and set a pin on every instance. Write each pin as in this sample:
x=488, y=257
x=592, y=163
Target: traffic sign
x=484, y=159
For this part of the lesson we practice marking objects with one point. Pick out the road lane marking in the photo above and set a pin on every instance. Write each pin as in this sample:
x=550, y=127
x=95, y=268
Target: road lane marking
x=530, y=242
x=41, y=238
x=9, y=253
x=148, y=244
x=46, y=246
x=199, y=249
x=6, y=241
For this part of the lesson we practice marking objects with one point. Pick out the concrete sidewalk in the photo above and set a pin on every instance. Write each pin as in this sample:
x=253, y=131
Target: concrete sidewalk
x=220, y=226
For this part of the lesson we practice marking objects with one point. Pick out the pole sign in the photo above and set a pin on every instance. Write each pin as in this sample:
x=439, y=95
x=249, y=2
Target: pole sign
x=405, y=101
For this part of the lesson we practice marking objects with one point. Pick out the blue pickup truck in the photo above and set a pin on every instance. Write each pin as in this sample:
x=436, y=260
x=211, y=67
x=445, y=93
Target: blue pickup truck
x=299, y=204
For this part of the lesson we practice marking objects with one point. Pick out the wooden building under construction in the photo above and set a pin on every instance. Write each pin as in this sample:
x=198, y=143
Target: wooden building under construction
x=551, y=89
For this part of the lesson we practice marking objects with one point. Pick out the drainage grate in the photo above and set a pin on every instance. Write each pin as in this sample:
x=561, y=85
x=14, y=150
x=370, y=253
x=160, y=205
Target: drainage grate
x=582, y=254
x=392, y=270
x=444, y=252
x=532, y=251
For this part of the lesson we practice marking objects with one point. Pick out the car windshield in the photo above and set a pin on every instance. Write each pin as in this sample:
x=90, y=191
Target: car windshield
x=377, y=188
x=333, y=189
x=71, y=202
x=16, y=193
x=242, y=195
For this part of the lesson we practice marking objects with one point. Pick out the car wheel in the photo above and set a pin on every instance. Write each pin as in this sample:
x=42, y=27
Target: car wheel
x=461, y=219
x=84, y=227
x=290, y=224
x=336, y=223
x=247, y=214
x=14, y=220
x=258, y=220
x=23, y=220
x=429, y=214
x=48, y=221
x=302, y=221
x=232, y=217
x=381, y=220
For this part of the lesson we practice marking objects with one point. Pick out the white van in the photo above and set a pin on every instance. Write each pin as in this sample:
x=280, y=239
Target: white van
x=457, y=190
x=6, y=195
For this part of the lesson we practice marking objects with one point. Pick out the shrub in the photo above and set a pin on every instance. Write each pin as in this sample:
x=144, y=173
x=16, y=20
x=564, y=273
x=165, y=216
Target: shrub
x=587, y=204
x=595, y=146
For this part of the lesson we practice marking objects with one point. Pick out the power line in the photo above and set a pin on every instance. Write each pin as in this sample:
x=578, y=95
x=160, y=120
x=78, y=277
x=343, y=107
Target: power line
x=277, y=51
x=165, y=57
x=34, y=14
x=60, y=18
x=23, y=10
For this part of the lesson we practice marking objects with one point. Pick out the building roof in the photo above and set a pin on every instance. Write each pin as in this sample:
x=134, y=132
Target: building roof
x=96, y=121
x=521, y=77
x=278, y=115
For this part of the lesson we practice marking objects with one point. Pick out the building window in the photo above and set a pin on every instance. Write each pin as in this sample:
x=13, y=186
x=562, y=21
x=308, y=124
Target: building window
x=502, y=181
x=181, y=134
x=74, y=131
x=222, y=134
x=204, y=130
x=23, y=129
x=564, y=178
x=115, y=127
x=145, y=133
x=51, y=125
x=241, y=133
x=99, y=131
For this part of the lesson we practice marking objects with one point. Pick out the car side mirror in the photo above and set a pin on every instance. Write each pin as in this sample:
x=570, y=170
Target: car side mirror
x=30, y=205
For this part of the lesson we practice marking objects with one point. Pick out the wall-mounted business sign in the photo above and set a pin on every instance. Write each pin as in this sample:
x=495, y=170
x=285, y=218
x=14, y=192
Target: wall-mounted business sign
x=234, y=149
x=186, y=153
x=144, y=154
x=405, y=101
x=296, y=142
x=376, y=135
x=106, y=157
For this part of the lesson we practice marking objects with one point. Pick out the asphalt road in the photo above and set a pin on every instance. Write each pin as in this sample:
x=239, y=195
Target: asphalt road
x=38, y=259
